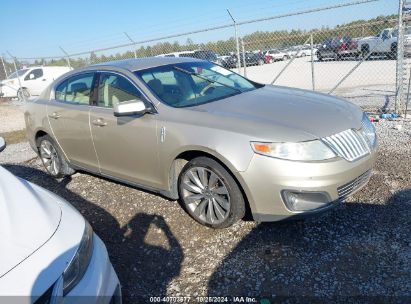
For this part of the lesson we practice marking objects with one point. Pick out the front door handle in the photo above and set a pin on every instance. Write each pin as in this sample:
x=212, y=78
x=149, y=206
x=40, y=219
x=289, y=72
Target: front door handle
x=99, y=122
x=55, y=115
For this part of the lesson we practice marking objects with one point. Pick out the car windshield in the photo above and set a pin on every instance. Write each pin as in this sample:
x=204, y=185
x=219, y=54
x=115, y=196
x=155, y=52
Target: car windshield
x=19, y=73
x=193, y=83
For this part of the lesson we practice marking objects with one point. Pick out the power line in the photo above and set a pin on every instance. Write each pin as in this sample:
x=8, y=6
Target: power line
x=218, y=27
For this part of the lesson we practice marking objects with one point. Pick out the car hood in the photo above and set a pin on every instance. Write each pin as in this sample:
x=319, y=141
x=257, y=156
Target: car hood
x=282, y=114
x=28, y=219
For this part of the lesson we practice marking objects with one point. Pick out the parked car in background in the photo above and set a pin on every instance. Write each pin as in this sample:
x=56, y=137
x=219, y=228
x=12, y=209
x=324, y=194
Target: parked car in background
x=305, y=51
x=205, y=55
x=200, y=54
x=49, y=252
x=275, y=55
x=33, y=81
x=195, y=131
x=250, y=59
x=384, y=43
x=223, y=58
x=338, y=48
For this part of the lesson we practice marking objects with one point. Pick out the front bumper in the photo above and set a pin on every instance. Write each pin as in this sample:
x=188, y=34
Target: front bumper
x=99, y=284
x=266, y=178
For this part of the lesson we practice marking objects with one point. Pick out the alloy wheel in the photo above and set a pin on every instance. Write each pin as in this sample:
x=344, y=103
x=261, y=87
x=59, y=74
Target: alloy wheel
x=50, y=157
x=205, y=195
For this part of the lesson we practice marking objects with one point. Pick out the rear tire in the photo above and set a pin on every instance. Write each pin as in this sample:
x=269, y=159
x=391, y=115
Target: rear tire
x=53, y=158
x=393, y=53
x=210, y=194
x=23, y=94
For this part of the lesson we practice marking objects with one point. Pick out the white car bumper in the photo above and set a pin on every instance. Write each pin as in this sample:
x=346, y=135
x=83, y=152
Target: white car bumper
x=99, y=284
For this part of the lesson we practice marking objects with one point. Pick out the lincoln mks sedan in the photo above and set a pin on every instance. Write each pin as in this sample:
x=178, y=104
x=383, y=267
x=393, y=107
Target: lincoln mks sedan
x=191, y=130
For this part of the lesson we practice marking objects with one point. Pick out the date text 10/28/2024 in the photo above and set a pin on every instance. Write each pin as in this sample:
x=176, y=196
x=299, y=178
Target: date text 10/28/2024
x=207, y=300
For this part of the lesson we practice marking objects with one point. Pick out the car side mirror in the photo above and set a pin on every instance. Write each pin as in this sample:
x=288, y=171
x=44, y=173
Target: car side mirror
x=132, y=107
x=2, y=144
x=31, y=76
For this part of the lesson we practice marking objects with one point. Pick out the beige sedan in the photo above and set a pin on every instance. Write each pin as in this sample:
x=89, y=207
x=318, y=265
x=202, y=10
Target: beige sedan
x=192, y=130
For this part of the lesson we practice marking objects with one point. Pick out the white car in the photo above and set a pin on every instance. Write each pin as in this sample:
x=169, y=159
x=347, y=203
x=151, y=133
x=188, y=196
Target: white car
x=275, y=55
x=385, y=43
x=33, y=81
x=48, y=251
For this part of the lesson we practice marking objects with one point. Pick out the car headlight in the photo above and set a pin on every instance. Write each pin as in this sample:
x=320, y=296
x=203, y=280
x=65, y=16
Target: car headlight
x=301, y=151
x=78, y=265
x=369, y=130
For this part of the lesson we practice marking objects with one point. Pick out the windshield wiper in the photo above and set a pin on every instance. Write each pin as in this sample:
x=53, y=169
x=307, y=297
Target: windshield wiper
x=206, y=78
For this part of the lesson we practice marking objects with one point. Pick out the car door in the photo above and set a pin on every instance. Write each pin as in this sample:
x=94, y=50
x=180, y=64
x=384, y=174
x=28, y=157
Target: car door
x=126, y=146
x=384, y=43
x=68, y=114
x=35, y=81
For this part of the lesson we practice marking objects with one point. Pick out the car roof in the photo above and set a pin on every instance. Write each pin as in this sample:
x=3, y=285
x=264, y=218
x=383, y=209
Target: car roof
x=143, y=63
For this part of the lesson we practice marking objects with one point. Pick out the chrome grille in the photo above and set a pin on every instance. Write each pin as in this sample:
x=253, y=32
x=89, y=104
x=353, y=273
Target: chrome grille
x=354, y=185
x=350, y=144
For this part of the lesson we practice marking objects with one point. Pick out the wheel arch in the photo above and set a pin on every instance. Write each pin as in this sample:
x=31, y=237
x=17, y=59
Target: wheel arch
x=183, y=157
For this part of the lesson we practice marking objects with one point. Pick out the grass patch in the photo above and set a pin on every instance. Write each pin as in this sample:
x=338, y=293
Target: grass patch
x=14, y=137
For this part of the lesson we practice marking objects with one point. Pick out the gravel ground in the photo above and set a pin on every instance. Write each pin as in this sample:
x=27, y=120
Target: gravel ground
x=360, y=251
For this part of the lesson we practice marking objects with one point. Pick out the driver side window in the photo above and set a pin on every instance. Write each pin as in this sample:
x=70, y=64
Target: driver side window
x=114, y=89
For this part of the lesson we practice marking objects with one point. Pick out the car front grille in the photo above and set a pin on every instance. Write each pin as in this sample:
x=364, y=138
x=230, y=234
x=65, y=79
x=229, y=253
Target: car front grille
x=350, y=144
x=355, y=184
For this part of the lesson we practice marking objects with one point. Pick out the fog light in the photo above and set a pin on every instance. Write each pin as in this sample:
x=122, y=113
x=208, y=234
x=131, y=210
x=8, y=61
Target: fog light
x=305, y=201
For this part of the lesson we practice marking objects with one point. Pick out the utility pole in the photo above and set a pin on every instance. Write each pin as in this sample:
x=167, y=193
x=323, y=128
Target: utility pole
x=236, y=41
x=132, y=41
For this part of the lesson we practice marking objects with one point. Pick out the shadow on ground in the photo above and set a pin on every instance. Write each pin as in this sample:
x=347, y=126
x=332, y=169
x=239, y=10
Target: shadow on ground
x=361, y=250
x=148, y=267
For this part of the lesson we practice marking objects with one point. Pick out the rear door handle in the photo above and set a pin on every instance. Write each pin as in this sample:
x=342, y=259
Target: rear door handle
x=55, y=115
x=99, y=122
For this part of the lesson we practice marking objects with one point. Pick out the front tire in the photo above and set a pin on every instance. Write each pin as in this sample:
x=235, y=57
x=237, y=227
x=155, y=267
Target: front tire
x=52, y=158
x=210, y=194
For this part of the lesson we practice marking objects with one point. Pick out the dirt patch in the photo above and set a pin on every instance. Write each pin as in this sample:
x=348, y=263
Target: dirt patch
x=14, y=137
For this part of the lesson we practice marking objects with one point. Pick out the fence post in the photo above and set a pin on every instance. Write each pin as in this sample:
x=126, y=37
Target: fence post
x=4, y=67
x=67, y=56
x=237, y=44
x=18, y=78
x=244, y=63
x=312, y=61
x=399, y=79
x=132, y=41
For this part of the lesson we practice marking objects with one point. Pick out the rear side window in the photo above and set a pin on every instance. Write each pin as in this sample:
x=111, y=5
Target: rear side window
x=76, y=89
x=113, y=89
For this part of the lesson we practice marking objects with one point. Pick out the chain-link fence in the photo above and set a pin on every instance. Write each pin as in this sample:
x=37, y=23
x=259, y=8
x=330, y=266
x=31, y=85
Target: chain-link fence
x=363, y=60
